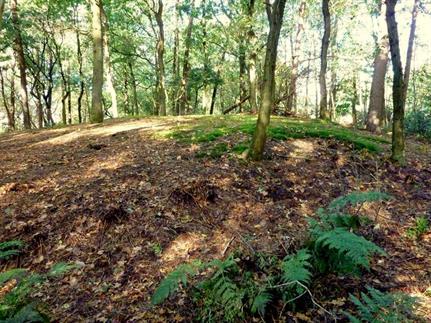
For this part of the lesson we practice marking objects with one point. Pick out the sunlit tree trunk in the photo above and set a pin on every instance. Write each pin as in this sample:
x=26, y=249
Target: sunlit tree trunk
x=96, y=114
x=398, y=136
x=108, y=68
x=295, y=61
x=275, y=14
x=324, y=111
x=376, y=110
x=134, y=90
x=19, y=54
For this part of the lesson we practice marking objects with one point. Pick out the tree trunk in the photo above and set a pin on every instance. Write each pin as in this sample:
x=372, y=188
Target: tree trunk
x=134, y=90
x=108, y=67
x=252, y=58
x=275, y=14
x=19, y=54
x=176, y=63
x=10, y=109
x=295, y=62
x=161, y=88
x=410, y=47
x=324, y=111
x=242, y=71
x=2, y=3
x=398, y=136
x=376, y=110
x=184, y=100
x=96, y=115
x=354, y=102
x=81, y=76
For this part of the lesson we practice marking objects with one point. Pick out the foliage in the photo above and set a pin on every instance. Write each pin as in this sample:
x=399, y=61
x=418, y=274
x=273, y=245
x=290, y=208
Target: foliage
x=16, y=285
x=10, y=248
x=418, y=122
x=420, y=227
x=231, y=291
x=383, y=308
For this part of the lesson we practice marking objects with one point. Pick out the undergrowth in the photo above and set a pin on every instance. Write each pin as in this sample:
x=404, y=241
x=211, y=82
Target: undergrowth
x=207, y=132
x=245, y=286
x=16, y=286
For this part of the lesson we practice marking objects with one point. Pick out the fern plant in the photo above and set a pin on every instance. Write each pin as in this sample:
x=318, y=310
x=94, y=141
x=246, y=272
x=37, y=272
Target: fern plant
x=379, y=307
x=334, y=243
x=15, y=287
x=10, y=248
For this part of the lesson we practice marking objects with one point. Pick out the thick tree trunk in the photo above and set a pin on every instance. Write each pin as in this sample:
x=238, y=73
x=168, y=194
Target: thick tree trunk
x=184, y=100
x=108, y=67
x=324, y=111
x=398, y=136
x=161, y=88
x=295, y=61
x=275, y=14
x=96, y=115
x=19, y=53
x=376, y=110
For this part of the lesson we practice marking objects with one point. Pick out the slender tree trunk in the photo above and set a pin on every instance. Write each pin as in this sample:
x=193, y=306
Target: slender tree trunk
x=96, y=115
x=242, y=73
x=184, y=100
x=161, y=88
x=2, y=3
x=176, y=63
x=295, y=61
x=354, y=101
x=134, y=89
x=410, y=47
x=324, y=111
x=108, y=67
x=252, y=58
x=126, y=95
x=398, y=136
x=19, y=53
x=10, y=109
x=81, y=76
x=275, y=14
x=376, y=110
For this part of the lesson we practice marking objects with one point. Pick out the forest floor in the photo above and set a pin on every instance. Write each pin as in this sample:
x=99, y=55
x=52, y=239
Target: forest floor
x=131, y=199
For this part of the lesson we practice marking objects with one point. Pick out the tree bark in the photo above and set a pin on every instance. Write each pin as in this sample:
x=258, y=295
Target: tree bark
x=161, y=87
x=19, y=54
x=134, y=90
x=295, y=55
x=275, y=14
x=376, y=110
x=2, y=3
x=176, y=63
x=398, y=136
x=410, y=47
x=354, y=101
x=184, y=100
x=324, y=111
x=242, y=73
x=108, y=67
x=252, y=58
x=81, y=76
x=10, y=109
x=96, y=115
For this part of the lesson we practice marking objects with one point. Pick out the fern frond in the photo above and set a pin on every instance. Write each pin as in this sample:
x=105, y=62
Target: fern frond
x=60, y=269
x=357, y=198
x=27, y=313
x=12, y=274
x=10, y=248
x=377, y=306
x=297, y=268
x=260, y=302
x=347, y=244
x=170, y=283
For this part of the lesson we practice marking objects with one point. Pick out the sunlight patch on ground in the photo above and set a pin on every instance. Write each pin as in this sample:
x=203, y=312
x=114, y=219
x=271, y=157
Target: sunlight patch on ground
x=182, y=246
x=302, y=148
